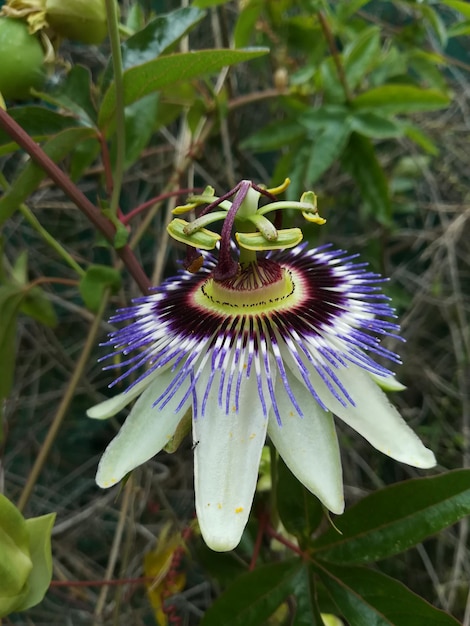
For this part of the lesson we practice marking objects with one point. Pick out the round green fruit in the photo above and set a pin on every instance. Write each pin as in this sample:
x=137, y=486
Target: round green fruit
x=80, y=20
x=21, y=60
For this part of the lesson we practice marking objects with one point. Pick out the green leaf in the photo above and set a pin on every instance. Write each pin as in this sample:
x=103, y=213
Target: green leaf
x=369, y=597
x=416, y=134
x=135, y=19
x=253, y=597
x=203, y=4
x=396, y=99
x=328, y=76
x=158, y=35
x=36, y=305
x=458, y=5
x=327, y=147
x=82, y=157
x=460, y=29
x=274, y=137
x=361, y=162
x=74, y=94
x=152, y=76
x=96, y=280
x=140, y=120
x=329, y=132
x=19, y=271
x=30, y=177
x=39, y=530
x=375, y=126
x=360, y=56
x=306, y=609
x=396, y=518
x=437, y=24
x=246, y=22
x=393, y=63
x=428, y=66
x=346, y=9
x=317, y=119
x=38, y=122
x=300, y=511
x=296, y=171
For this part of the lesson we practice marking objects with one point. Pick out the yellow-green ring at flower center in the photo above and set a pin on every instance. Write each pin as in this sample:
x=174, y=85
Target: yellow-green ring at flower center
x=232, y=297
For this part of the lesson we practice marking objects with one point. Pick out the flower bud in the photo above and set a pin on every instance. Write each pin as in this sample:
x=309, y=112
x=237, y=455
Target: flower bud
x=15, y=562
x=25, y=558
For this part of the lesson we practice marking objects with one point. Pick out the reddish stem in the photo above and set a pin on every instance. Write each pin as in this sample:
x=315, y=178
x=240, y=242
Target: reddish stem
x=108, y=175
x=145, y=205
x=285, y=542
x=61, y=179
x=263, y=524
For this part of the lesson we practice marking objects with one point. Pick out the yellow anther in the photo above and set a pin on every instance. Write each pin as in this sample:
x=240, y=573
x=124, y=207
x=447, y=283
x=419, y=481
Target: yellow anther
x=281, y=188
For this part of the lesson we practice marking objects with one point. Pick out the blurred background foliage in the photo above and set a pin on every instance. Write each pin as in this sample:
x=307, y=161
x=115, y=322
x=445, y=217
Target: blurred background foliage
x=366, y=103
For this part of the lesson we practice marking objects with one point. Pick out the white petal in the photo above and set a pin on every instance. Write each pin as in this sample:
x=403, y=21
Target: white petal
x=309, y=445
x=387, y=383
x=373, y=416
x=112, y=406
x=144, y=433
x=227, y=455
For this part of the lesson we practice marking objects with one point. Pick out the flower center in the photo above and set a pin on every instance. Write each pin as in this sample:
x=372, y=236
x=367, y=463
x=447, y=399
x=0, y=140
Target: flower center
x=257, y=287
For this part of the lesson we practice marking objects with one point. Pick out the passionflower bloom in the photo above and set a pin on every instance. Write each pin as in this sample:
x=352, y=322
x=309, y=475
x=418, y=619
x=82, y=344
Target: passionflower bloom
x=266, y=337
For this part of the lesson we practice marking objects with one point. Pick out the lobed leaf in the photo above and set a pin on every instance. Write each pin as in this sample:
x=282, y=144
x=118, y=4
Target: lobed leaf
x=361, y=55
x=326, y=147
x=274, y=136
x=375, y=126
x=360, y=160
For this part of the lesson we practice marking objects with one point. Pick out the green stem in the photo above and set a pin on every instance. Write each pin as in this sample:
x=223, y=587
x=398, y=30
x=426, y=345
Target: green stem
x=48, y=238
x=113, y=31
x=62, y=252
x=63, y=406
x=335, y=54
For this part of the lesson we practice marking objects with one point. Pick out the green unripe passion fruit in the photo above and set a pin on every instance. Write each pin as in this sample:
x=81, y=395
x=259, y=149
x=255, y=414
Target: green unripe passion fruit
x=80, y=20
x=21, y=60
